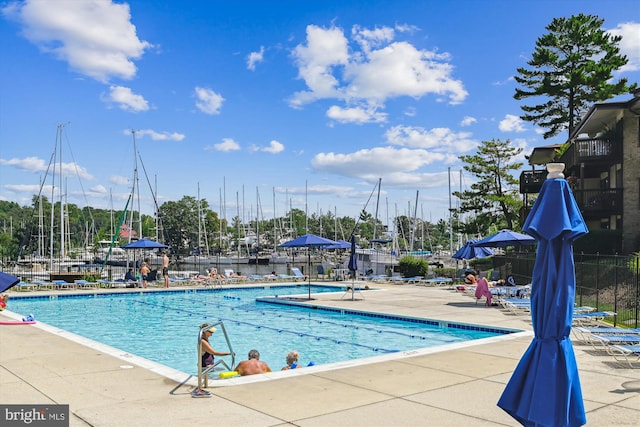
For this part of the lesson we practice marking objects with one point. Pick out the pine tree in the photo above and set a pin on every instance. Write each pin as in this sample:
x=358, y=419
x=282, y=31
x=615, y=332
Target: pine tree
x=493, y=198
x=572, y=66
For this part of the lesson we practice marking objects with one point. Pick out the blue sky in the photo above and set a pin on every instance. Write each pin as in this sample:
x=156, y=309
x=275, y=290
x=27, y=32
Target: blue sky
x=310, y=101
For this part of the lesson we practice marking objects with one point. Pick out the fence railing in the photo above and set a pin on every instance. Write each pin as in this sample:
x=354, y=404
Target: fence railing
x=604, y=282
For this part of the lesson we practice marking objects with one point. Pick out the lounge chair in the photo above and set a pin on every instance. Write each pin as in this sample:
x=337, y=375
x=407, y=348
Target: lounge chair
x=43, y=285
x=584, y=334
x=24, y=286
x=435, y=281
x=606, y=341
x=84, y=284
x=297, y=274
x=591, y=318
x=630, y=353
x=62, y=284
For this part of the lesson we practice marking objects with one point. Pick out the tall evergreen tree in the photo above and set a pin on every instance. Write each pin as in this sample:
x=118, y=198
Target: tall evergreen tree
x=572, y=66
x=493, y=198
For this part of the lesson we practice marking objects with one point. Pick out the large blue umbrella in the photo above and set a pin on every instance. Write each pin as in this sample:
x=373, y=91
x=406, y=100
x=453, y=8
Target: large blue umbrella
x=7, y=281
x=340, y=244
x=308, y=241
x=144, y=244
x=544, y=390
x=470, y=251
x=504, y=238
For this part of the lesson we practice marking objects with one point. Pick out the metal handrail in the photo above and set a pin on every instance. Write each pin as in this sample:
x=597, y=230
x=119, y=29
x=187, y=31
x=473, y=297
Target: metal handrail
x=203, y=374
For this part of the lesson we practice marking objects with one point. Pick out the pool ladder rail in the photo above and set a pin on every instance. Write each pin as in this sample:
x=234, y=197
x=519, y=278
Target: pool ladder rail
x=203, y=374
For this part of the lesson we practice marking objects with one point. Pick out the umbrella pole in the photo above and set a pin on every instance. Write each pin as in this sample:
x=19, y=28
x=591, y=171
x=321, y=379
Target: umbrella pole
x=309, y=271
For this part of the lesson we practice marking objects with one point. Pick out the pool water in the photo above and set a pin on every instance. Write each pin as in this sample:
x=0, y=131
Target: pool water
x=163, y=326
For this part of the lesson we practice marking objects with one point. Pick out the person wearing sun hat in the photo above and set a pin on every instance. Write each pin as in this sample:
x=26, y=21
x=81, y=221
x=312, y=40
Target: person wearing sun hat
x=207, y=355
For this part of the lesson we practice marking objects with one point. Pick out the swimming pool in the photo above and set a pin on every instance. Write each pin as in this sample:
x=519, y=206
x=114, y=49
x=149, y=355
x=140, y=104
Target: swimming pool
x=163, y=326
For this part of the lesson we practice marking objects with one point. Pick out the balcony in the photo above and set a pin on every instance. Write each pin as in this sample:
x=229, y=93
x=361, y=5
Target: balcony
x=592, y=203
x=599, y=202
x=531, y=181
x=592, y=151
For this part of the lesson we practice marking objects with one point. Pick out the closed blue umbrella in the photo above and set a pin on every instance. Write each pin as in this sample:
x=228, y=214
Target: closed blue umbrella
x=353, y=264
x=544, y=389
x=469, y=251
x=340, y=244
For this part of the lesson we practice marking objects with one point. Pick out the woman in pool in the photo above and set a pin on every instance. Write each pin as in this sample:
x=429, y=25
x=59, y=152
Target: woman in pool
x=292, y=360
x=208, y=352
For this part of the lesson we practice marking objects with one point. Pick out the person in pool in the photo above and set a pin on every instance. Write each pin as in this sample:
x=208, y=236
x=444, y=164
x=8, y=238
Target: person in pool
x=207, y=351
x=253, y=365
x=292, y=360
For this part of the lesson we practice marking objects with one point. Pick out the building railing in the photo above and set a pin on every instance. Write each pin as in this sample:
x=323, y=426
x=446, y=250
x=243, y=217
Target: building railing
x=599, y=201
x=531, y=181
x=589, y=151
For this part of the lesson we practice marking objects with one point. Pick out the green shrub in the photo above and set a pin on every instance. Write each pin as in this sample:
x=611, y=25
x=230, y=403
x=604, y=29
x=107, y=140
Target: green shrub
x=411, y=267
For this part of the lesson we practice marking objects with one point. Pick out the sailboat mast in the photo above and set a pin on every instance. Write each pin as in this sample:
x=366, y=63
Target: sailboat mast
x=62, y=254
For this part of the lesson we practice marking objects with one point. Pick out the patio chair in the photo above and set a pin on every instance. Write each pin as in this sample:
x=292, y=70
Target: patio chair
x=84, y=284
x=62, y=284
x=297, y=274
x=630, y=353
x=24, y=286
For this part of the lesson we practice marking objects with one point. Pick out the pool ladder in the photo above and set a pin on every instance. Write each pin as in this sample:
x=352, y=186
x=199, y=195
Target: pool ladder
x=203, y=374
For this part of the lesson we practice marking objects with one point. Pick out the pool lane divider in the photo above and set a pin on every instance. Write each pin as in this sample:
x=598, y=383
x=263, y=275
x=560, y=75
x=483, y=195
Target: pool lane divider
x=280, y=330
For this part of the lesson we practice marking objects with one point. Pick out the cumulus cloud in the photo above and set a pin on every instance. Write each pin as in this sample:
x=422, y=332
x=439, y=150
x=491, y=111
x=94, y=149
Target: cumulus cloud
x=511, y=123
x=379, y=160
x=227, y=144
x=369, y=71
x=630, y=44
x=119, y=180
x=160, y=136
x=438, y=139
x=357, y=115
x=95, y=37
x=126, y=99
x=468, y=121
x=208, y=101
x=274, y=147
x=34, y=164
x=255, y=57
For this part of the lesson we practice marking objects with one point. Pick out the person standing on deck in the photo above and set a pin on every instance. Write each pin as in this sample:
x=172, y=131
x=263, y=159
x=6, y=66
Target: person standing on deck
x=165, y=268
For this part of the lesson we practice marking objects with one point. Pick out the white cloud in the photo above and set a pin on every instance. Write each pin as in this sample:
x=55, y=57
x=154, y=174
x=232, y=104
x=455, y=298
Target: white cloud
x=30, y=188
x=511, y=123
x=34, y=164
x=95, y=37
x=208, y=101
x=379, y=70
x=119, y=180
x=630, y=44
x=376, y=161
x=357, y=115
x=468, y=121
x=126, y=99
x=227, y=144
x=274, y=147
x=439, y=139
x=161, y=136
x=255, y=57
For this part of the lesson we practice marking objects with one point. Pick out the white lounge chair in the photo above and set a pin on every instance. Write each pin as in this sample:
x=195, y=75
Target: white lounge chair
x=630, y=353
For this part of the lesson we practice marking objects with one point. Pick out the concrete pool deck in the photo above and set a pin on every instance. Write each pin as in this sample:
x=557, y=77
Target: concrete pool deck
x=458, y=387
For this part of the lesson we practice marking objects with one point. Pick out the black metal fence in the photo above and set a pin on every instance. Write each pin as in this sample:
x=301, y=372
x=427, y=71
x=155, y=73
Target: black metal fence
x=604, y=282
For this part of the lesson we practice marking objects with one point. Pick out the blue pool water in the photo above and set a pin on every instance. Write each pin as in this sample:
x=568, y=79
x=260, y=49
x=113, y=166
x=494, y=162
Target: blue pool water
x=163, y=326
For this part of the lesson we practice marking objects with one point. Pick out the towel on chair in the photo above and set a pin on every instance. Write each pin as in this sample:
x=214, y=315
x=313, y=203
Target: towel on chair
x=482, y=290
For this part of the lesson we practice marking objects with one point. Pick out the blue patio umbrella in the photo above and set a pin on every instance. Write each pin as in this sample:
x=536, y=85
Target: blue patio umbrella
x=469, y=251
x=544, y=389
x=144, y=244
x=7, y=281
x=340, y=244
x=504, y=238
x=308, y=241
